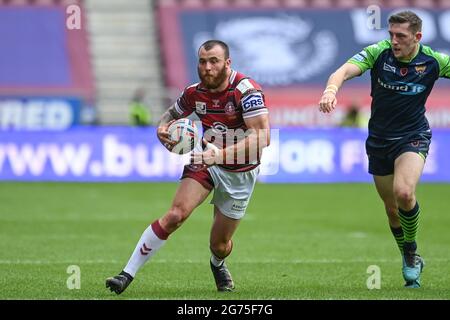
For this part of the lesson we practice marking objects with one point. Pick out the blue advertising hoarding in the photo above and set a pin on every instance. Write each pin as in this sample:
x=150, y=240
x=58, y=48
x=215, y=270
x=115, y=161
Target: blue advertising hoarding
x=291, y=52
x=39, y=113
x=121, y=154
x=281, y=47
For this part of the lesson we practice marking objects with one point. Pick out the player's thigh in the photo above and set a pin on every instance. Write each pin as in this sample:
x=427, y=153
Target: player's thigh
x=223, y=227
x=189, y=195
x=385, y=189
x=408, y=169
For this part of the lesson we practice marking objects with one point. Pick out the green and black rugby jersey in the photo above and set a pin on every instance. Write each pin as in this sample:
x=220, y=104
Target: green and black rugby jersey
x=400, y=88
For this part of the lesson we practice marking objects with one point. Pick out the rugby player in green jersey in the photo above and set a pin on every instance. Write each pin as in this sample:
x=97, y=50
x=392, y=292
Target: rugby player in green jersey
x=403, y=72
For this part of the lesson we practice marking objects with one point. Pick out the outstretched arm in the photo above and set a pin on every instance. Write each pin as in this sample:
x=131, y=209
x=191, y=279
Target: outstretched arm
x=345, y=72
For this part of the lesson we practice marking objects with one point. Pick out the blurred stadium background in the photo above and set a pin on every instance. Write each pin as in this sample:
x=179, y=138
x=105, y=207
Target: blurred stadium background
x=67, y=88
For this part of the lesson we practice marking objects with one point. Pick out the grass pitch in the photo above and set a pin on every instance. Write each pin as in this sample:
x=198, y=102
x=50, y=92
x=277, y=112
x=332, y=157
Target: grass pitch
x=296, y=242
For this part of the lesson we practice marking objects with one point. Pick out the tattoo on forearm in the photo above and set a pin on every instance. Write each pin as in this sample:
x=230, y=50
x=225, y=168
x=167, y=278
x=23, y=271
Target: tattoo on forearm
x=169, y=115
x=173, y=113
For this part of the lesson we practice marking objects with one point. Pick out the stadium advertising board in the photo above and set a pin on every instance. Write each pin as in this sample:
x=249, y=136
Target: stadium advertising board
x=39, y=113
x=280, y=47
x=119, y=154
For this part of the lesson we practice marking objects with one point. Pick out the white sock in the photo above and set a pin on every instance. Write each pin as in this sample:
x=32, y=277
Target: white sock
x=216, y=262
x=151, y=240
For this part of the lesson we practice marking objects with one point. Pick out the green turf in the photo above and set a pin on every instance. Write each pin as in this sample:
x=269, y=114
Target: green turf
x=296, y=242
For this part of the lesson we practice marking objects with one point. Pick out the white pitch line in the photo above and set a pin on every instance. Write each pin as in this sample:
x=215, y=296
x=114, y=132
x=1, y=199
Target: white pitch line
x=295, y=261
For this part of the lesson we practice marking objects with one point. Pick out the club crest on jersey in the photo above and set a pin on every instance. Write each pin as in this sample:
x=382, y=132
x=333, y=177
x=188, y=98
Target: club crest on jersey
x=420, y=70
x=229, y=108
x=403, y=71
x=200, y=107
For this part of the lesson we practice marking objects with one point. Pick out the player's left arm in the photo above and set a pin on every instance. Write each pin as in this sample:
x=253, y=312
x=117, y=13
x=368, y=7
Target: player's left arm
x=444, y=65
x=257, y=137
x=256, y=118
x=346, y=72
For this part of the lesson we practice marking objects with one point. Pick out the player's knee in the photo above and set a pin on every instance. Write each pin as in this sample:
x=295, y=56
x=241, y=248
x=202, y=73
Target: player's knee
x=404, y=195
x=175, y=217
x=220, y=249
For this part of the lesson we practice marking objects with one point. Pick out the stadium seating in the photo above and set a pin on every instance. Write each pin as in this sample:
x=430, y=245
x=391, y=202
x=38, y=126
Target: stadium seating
x=40, y=2
x=347, y=3
x=295, y=3
x=218, y=3
x=308, y=3
x=125, y=56
x=262, y=3
x=445, y=4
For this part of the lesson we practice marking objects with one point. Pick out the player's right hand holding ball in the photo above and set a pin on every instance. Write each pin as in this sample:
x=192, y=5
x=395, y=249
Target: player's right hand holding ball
x=164, y=137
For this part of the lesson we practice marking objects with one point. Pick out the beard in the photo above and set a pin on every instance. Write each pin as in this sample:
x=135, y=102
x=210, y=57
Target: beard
x=211, y=82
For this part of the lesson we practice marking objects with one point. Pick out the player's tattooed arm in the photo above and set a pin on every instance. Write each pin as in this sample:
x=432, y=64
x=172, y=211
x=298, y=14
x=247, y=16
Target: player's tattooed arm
x=166, y=120
x=168, y=116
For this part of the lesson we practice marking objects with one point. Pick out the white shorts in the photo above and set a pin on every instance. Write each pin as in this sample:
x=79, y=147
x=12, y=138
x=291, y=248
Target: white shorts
x=232, y=190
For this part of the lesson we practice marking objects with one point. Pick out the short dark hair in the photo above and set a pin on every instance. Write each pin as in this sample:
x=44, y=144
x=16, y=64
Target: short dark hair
x=208, y=45
x=415, y=23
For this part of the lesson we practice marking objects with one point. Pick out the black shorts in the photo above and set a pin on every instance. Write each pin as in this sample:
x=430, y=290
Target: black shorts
x=382, y=153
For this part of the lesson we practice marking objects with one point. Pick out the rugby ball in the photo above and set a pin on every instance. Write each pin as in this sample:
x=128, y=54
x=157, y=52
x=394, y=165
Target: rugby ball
x=186, y=133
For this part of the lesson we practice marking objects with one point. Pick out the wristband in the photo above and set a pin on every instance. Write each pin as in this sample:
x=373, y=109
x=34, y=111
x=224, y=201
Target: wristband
x=329, y=90
x=330, y=86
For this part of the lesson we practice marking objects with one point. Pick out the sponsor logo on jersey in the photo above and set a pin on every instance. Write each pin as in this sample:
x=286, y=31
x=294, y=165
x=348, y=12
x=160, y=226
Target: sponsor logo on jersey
x=405, y=88
x=358, y=57
x=388, y=67
x=200, y=107
x=216, y=103
x=361, y=56
x=252, y=101
x=219, y=127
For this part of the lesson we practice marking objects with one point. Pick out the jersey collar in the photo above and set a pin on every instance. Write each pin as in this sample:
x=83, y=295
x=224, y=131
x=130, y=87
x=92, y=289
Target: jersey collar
x=419, y=48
